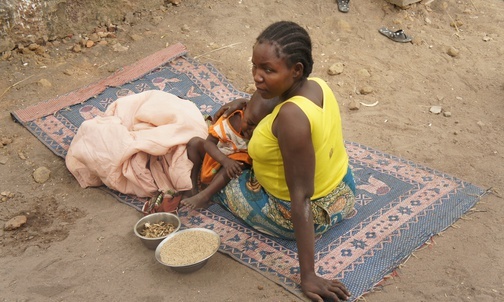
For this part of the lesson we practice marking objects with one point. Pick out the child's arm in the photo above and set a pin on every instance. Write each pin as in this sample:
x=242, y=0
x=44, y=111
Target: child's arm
x=233, y=167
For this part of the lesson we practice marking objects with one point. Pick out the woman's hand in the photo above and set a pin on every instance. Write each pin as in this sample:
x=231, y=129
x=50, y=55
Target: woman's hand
x=318, y=289
x=229, y=108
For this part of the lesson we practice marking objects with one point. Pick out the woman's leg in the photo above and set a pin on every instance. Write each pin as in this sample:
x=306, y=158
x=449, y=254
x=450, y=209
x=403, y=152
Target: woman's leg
x=246, y=199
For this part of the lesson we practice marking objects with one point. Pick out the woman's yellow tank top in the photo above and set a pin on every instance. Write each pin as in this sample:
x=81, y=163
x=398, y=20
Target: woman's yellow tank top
x=331, y=159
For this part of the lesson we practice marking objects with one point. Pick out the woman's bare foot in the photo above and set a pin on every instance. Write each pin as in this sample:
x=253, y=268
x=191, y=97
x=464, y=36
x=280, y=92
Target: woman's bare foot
x=196, y=202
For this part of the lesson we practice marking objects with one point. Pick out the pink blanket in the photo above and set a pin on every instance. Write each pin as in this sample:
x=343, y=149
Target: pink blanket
x=139, y=146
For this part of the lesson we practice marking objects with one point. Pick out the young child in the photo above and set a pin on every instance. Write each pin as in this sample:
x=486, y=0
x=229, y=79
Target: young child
x=223, y=155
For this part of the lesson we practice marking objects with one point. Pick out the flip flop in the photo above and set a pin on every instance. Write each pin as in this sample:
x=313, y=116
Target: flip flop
x=397, y=36
x=343, y=5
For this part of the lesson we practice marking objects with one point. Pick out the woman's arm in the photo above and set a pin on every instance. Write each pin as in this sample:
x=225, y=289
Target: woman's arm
x=229, y=108
x=293, y=130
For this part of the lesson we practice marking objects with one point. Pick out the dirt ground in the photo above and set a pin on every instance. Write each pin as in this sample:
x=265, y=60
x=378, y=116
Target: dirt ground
x=78, y=244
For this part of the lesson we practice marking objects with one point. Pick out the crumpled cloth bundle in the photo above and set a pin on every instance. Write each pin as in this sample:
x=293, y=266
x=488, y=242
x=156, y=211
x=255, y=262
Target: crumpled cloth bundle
x=139, y=146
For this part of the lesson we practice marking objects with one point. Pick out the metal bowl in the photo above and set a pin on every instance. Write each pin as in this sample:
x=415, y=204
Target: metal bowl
x=192, y=267
x=152, y=243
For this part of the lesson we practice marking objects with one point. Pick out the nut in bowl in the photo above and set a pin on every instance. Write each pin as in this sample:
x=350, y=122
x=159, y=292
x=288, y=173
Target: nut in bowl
x=154, y=228
x=188, y=250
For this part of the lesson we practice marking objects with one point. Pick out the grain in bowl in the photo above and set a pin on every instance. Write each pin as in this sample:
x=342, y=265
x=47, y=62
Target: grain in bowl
x=188, y=250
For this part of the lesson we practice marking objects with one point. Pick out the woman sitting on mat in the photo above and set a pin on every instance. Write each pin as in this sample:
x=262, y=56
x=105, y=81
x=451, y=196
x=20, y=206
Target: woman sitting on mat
x=226, y=147
x=301, y=184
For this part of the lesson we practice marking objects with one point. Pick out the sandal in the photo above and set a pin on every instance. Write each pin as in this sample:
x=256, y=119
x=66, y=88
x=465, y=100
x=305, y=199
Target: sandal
x=162, y=203
x=397, y=36
x=343, y=5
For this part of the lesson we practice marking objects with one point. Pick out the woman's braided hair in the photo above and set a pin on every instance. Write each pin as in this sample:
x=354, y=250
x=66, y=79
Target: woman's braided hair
x=292, y=43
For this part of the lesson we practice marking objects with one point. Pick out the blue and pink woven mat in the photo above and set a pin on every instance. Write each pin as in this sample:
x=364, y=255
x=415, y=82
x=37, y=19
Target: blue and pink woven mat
x=400, y=205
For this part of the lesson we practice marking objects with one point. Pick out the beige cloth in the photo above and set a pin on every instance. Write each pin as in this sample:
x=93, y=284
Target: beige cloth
x=139, y=146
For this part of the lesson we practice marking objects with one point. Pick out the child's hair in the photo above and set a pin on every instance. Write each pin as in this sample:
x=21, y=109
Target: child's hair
x=292, y=43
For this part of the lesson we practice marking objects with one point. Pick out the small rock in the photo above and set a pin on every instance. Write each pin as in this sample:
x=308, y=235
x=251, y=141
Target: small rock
x=363, y=73
x=44, y=83
x=136, y=37
x=453, y=52
x=366, y=90
x=436, y=109
x=94, y=37
x=174, y=2
x=77, y=48
x=456, y=23
x=25, y=51
x=129, y=18
x=15, y=223
x=40, y=51
x=447, y=114
x=41, y=175
x=259, y=287
x=481, y=124
x=22, y=155
x=89, y=43
x=32, y=250
x=5, y=141
x=6, y=55
x=416, y=41
x=33, y=46
x=335, y=69
x=3, y=159
x=185, y=28
x=119, y=48
x=214, y=45
x=354, y=105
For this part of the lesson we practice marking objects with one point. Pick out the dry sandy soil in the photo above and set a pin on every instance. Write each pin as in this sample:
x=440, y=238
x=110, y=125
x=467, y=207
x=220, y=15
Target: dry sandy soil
x=78, y=244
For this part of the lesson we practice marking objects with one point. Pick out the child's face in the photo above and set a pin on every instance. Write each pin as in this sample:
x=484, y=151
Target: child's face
x=249, y=122
x=271, y=75
x=253, y=114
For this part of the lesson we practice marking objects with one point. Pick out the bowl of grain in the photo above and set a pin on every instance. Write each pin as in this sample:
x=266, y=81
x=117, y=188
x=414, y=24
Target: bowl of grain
x=188, y=250
x=154, y=228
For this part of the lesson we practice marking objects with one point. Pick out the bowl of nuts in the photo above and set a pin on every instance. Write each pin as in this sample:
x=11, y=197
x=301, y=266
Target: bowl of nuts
x=154, y=228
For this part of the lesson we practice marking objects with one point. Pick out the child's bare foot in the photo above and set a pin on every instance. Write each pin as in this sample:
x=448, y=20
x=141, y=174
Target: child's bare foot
x=196, y=202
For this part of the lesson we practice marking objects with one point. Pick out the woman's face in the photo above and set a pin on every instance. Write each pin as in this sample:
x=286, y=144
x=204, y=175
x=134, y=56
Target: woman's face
x=271, y=75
